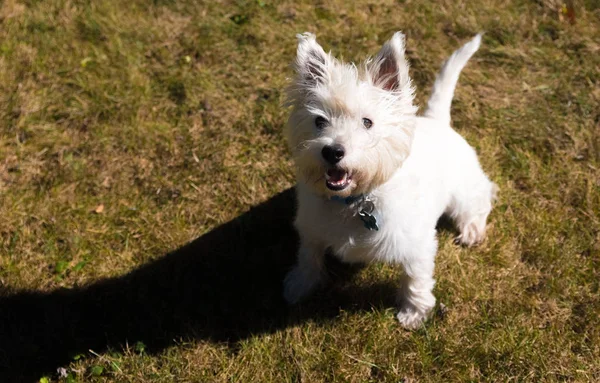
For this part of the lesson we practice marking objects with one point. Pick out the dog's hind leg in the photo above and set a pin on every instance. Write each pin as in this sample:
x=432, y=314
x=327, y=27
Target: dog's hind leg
x=471, y=209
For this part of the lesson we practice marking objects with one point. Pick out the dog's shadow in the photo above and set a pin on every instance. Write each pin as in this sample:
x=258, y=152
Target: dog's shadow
x=224, y=286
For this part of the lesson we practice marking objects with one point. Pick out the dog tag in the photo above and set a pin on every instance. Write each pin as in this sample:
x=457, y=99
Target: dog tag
x=368, y=219
x=368, y=206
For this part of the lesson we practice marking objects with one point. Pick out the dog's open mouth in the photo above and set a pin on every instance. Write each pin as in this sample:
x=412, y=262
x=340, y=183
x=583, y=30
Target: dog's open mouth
x=337, y=179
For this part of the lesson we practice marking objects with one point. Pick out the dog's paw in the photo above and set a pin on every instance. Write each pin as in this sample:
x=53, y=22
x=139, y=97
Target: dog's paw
x=472, y=234
x=410, y=318
x=298, y=284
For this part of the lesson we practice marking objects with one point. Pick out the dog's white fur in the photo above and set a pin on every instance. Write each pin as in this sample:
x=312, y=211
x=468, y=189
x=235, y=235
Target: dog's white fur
x=413, y=168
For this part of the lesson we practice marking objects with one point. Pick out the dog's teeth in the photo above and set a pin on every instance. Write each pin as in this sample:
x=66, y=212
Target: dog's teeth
x=337, y=178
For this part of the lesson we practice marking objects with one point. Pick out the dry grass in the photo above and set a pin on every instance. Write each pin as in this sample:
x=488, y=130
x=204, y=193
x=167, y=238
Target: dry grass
x=130, y=128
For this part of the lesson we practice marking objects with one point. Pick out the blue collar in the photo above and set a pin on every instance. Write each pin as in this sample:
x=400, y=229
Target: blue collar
x=347, y=200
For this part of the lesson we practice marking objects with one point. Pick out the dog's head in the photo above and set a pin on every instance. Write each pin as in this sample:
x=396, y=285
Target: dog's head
x=351, y=127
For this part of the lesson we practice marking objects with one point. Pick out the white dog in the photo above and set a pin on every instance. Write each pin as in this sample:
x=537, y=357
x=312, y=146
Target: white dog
x=373, y=177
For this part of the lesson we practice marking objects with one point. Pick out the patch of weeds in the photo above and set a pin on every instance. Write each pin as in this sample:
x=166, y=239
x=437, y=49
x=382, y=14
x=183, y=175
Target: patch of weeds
x=322, y=13
x=461, y=31
x=139, y=347
x=33, y=3
x=177, y=92
x=550, y=30
x=6, y=48
x=63, y=268
x=89, y=29
x=267, y=111
x=240, y=19
x=40, y=26
x=96, y=370
x=499, y=35
x=592, y=5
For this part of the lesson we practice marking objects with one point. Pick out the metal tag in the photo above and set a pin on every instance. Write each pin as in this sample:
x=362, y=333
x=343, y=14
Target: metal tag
x=368, y=219
x=368, y=206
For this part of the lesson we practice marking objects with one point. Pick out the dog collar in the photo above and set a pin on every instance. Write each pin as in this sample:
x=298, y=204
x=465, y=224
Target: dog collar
x=348, y=200
x=364, y=206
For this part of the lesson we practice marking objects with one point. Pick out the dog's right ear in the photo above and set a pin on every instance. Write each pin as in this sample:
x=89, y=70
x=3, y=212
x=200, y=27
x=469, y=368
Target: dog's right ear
x=312, y=63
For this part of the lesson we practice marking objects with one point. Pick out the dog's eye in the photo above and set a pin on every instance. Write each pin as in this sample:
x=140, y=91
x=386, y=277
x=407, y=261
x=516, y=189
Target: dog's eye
x=367, y=123
x=321, y=122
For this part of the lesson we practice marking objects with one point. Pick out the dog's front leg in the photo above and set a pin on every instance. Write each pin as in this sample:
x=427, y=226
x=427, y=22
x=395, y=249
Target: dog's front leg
x=308, y=273
x=416, y=285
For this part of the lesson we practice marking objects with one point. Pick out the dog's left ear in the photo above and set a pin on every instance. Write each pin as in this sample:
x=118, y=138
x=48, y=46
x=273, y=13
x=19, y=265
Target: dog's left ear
x=389, y=69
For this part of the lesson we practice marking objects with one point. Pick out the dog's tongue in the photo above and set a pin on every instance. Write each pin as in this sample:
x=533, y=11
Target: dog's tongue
x=336, y=175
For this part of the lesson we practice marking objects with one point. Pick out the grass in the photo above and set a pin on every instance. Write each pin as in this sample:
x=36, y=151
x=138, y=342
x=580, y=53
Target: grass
x=129, y=129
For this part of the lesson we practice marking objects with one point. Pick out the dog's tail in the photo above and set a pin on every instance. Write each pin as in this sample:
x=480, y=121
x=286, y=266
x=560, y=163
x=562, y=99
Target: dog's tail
x=438, y=106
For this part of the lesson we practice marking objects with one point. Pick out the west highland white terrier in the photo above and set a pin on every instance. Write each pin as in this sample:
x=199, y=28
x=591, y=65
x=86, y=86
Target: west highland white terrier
x=373, y=177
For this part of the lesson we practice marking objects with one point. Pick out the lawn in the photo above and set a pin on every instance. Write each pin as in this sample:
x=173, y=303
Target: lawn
x=146, y=195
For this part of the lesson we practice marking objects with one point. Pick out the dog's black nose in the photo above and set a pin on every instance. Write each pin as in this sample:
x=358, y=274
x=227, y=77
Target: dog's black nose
x=333, y=154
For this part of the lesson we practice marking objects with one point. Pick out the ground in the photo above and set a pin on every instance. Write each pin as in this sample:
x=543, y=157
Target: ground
x=145, y=199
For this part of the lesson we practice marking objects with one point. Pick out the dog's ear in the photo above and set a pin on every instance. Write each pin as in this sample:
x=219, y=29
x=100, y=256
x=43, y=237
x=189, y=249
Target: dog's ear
x=312, y=63
x=389, y=69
